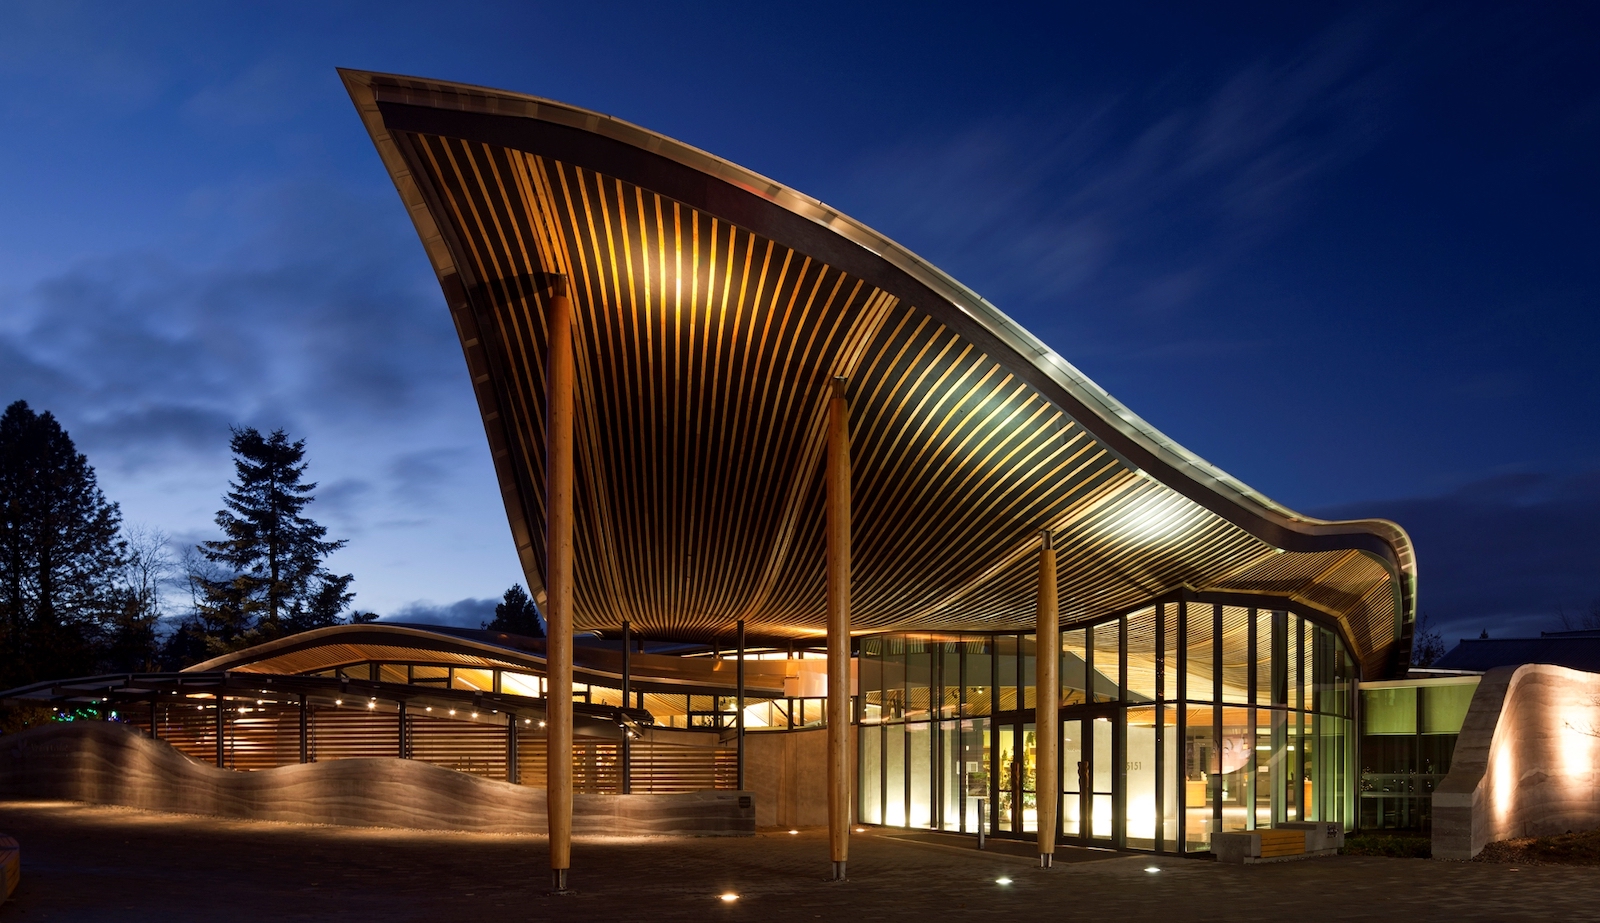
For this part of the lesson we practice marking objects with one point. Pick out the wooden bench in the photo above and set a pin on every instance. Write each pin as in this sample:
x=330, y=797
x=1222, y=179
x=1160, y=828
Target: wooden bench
x=1278, y=843
x=1247, y=847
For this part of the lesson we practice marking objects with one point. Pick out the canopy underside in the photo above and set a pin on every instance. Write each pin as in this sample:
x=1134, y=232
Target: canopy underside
x=704, y=354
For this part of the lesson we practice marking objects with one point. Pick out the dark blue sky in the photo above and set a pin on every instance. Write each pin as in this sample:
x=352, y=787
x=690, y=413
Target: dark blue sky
x=1348, y=254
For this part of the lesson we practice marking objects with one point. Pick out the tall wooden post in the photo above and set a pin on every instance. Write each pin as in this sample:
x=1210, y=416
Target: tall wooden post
x=221, y=751
x=627, y=702
x=738, y=704
x=513, y=771
x=558, y=580
x=1047, y=701
x=838, y=582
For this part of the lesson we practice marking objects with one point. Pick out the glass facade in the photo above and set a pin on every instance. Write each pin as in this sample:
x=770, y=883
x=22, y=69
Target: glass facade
x=1408, y=736
x=1178, y=719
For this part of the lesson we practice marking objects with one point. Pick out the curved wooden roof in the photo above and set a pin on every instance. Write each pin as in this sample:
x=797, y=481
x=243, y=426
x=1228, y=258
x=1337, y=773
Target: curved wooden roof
x=713, y=307
x=343, y=645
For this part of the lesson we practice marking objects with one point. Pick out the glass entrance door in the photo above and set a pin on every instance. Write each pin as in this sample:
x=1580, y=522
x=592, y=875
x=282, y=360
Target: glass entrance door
x=1016, y=810
x=1089, y=782
x=1074, y=772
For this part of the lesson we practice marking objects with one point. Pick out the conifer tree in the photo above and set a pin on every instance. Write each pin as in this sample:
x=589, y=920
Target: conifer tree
x=59, y=551
x=516, y=613
x=266, y=576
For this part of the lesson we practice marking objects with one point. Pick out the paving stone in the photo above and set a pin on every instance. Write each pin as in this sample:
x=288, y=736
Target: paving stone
x=85, y=862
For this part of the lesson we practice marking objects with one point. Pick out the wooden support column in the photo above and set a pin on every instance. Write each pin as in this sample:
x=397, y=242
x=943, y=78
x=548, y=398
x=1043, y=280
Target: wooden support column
x=559, y=384
x=738, y=721
x=627, y=701
x=221, y=753
x=838, y=584
x=513, y=775
x=1047, y=701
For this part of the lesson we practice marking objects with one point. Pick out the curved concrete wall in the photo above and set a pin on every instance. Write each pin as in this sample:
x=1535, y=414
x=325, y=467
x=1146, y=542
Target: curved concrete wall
x=109, y=763
x=1527, y=762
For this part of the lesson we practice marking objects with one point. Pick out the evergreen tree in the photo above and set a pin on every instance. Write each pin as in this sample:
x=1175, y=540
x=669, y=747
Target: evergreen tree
x=59, y=551
x=265, y=578
x=516, y=614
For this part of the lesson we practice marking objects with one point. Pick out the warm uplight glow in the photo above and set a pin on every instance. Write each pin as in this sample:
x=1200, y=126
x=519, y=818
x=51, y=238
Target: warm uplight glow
x=793, y=832
x=1504, y=783
x=1575, y=731
x=1002, y=880
x=729, y=898
x=1141, y=818
x=1151, y=868
x=338, y=701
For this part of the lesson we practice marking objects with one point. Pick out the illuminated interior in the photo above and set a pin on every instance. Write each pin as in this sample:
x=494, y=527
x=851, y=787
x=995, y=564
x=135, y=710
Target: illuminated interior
x=1250, y=732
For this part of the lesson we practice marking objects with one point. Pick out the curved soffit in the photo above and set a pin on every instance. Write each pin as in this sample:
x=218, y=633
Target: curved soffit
x=713, y=306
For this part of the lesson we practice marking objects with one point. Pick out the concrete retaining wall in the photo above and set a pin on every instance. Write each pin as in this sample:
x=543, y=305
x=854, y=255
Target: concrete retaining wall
x=109, y=763
x=788, y=773
x=1527, y=762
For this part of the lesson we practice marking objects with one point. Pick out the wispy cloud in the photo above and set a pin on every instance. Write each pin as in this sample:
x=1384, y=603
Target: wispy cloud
x=1502, y=553
x=1135, y=202
x=463, y=613
x=416, y=478
x=148, y=356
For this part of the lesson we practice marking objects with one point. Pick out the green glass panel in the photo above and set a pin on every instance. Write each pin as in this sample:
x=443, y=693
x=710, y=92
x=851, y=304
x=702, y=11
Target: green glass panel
x=1389, y=711
x=1445, y=707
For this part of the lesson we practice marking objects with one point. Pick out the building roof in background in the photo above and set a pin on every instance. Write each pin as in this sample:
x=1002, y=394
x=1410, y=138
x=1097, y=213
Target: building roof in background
x=1577, y=650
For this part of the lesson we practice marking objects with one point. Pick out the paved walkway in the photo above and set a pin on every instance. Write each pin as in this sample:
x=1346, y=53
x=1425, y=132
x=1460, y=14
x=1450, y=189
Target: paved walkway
x=96, y=863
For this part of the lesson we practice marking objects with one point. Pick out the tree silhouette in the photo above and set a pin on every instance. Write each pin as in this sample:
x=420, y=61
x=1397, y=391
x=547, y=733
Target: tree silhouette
x=59, y=551
x=265, y=578
x=1427, y=643
x=131, y=628
x=516, y=614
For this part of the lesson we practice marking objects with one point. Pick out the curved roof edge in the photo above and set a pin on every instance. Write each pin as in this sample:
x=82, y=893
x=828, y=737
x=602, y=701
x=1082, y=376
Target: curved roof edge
x=507, y=650
x=473, y=112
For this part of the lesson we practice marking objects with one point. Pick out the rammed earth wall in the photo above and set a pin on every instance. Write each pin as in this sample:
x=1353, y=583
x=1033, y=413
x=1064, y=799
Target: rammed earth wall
x=109, y=763
x=1527, y=762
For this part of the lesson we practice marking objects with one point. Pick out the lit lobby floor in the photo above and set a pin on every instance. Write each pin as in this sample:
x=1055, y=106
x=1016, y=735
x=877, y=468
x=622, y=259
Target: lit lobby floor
x=94, y=863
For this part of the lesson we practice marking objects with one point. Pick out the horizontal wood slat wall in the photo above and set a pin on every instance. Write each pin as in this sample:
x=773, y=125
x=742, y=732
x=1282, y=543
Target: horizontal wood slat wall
x=259, y=737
